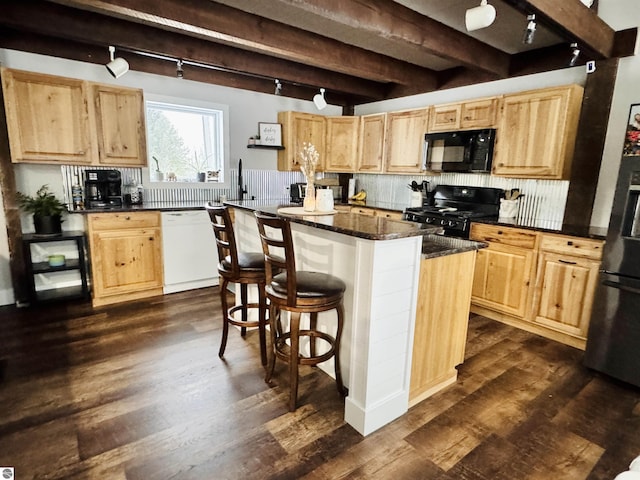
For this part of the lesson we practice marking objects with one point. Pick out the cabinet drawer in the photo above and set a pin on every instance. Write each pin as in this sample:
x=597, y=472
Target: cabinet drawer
x=575, y=246
x=503, y=235
x=115, y=221
x=363, y=211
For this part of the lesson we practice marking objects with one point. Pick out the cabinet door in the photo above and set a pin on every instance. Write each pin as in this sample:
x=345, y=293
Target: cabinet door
x=342, y=144
x=537, y=132
x=564, y=292
x=120, y=126
x=405, y=141
x=47, y=118
x=445, y=118
x=479, y=113
x=126, y=260
x=502, y=277
x=298, y=128
x=371, y=148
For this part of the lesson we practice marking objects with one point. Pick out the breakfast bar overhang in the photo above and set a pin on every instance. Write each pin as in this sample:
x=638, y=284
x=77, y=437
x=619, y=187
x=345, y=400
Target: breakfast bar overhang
x=379, y=259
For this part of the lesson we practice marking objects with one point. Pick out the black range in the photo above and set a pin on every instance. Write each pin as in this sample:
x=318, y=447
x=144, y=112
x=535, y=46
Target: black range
x=454, y=207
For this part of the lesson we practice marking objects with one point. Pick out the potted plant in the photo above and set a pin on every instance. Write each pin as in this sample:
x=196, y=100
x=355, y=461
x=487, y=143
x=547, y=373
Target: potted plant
x=47, y=210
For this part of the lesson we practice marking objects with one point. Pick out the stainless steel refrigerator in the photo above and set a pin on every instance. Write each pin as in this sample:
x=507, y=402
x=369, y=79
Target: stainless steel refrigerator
x=613, y=343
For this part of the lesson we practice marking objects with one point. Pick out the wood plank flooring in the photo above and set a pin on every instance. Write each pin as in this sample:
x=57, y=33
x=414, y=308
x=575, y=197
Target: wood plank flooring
x=137, y=391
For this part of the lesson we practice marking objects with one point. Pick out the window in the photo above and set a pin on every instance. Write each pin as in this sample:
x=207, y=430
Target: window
x=185, y=142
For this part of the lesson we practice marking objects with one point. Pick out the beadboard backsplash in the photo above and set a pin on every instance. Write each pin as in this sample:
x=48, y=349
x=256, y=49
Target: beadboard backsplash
x=542, y=205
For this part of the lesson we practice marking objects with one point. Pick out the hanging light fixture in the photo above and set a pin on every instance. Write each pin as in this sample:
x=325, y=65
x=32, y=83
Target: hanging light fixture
x=116, y=66
x=530, y=31
x=278, y=88
x=575, y=53
x=479, y=17
x=179, y=71
x=319, y=100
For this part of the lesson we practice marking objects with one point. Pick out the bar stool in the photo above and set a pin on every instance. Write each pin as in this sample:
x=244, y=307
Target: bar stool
x=297, y=292
x=244, y=269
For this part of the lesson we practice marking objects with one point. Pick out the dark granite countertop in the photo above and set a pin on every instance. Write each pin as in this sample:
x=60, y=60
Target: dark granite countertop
x=596, y=233
x=438, y=246
x=354, y=224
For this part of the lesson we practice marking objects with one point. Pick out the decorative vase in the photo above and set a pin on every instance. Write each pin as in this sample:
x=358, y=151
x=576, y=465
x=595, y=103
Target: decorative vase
x=309, y=203
x=49, y=225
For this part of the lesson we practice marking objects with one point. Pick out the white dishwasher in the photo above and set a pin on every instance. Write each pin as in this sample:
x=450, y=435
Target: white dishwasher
x=189, y=251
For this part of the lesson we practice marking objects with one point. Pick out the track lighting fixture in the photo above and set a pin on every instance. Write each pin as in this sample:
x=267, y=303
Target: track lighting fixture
x=530, y=31
x=278, y=87
x=479, y=17
x=116, y=66
x=575, y=53
x=319, y=100
x=179, y=71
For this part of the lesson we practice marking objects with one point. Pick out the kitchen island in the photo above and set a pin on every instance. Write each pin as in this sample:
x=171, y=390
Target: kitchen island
x=381, y=260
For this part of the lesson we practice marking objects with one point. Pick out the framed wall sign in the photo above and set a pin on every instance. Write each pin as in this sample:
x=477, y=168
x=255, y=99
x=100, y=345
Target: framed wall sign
x=632, y=138
x=270, y=134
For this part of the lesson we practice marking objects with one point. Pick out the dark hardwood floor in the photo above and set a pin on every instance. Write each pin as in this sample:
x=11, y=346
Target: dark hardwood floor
x=137, y=391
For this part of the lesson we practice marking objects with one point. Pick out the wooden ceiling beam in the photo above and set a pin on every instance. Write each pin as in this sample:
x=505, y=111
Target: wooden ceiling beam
x=578, y=23
x=406, y=29
x=233, y=27
x=85, y=27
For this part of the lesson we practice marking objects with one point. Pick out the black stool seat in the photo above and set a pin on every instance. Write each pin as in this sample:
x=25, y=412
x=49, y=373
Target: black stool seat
x=298, y=292
x=244, y=268
x=308, y=284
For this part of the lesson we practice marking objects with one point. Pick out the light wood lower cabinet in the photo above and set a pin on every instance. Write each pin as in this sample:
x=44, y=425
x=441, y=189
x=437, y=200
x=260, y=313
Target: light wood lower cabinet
x=544, y=285
x=126, y=256
x=377, y=212
x=502, y=278
x=442, y=319
x=565, y=283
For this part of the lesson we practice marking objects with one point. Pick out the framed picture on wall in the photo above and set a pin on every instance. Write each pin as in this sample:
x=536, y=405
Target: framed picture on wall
x=270, y=134
x=632, y=138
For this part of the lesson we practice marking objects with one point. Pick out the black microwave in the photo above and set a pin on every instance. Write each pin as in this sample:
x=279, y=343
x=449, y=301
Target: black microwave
x=469, y=151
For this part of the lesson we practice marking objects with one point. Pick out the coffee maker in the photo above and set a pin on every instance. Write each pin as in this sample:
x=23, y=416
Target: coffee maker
x=102, y=189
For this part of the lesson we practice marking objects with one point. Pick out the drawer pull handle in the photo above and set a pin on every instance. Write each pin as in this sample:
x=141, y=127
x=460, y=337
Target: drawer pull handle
x=569, y=243
x=567, y=262
x=499, y=232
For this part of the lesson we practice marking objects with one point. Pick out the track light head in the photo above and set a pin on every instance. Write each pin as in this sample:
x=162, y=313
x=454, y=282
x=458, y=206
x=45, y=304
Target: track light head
x=530, y=31
x=116, y=66
x=479, y=17
x=575, y=53
x=319, y=100
x=179, y=70
x=278, y=87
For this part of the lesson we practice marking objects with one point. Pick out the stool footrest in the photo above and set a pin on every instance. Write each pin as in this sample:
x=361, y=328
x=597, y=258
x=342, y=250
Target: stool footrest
x=283, y=349
x=239, y=323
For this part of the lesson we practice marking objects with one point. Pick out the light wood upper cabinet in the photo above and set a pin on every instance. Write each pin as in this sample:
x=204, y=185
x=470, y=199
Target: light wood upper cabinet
x=298, y=128
x=481, y=113
x=404, y=141
x=371, y=146
x=566, y=282
x=61, y=120
x=47, y=118
x=537, y=132
x=342, y=144
x=120, y=125
x=126, y=256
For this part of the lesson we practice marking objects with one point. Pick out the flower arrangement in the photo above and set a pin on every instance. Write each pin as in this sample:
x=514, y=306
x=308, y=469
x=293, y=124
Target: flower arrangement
x=308, y=161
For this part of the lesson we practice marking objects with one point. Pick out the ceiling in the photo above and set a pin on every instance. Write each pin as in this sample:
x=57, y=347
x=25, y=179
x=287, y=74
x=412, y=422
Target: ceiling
x=358, y=50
